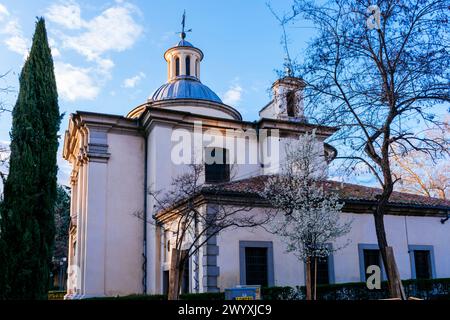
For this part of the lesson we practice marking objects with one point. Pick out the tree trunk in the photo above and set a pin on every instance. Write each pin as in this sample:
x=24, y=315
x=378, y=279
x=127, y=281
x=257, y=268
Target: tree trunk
x=394, y=282
x=174, y=277
x=315, y=278
x=308, y=278
x=176, y=273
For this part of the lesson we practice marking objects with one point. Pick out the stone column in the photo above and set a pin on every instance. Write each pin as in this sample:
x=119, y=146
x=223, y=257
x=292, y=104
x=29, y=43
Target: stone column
x=182, y=64
x=71, y=258
x=192, y=66
x=211, y=250
x=172, y=67
x=95, y=216
x=197, y=66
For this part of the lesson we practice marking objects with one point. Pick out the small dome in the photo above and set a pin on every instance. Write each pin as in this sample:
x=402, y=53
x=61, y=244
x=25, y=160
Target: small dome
x=185, y=88
x=184, y=43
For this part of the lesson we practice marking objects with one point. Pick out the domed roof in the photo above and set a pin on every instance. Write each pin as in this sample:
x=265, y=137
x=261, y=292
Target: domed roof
x=184, y=43
x=185, y=88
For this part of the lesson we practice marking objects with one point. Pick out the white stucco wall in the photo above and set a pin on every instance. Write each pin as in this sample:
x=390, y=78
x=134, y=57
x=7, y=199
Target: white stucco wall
x=124, y=231
x=289, y=271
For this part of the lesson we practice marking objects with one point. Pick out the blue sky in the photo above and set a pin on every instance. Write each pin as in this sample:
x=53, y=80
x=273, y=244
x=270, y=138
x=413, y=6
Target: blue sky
x=109, y=54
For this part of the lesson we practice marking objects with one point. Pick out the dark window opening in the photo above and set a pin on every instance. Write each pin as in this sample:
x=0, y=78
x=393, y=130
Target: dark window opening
x=185, y=279
x=290, y=102
x=323, y=276
x=177, y=66
x=422, y=264
x=188, y=66
x=371, y=257
x=165, y=282
x=196, y=68
x=219, y=170
x=256, y=272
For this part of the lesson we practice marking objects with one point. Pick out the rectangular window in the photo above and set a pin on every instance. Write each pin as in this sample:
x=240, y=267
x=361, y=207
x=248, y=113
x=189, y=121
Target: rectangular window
x=185, y=279
x=371, y=257
x=256, y=266
x=323, y=276
x=369, y=254
x=217, y=168
x=165, y=282
x=422, y=262
x=256, y=263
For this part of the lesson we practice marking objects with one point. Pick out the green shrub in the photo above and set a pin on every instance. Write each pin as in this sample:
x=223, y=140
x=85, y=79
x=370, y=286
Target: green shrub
x=425, y=289
x=282, y=293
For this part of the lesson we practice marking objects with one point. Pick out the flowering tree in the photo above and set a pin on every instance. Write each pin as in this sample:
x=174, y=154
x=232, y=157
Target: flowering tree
x=308, y=218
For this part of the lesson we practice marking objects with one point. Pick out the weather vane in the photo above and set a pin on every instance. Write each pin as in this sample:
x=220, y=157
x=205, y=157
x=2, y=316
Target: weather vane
x=183, y=22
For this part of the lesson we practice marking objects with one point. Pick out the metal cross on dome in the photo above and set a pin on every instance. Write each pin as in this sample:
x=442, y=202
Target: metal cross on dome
x=183, y=22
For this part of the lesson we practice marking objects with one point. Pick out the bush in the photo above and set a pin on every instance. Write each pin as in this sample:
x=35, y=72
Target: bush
x=283, y=293
x=433, y=289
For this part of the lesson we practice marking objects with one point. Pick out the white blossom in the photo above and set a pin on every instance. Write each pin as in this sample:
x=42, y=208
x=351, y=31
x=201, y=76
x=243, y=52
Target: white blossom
x=308, y=218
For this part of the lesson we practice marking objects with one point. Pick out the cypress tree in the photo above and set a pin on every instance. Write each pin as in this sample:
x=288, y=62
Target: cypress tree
x=28, y=227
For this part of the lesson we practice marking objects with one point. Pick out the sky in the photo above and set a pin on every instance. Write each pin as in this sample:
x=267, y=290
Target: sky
x=108, y=55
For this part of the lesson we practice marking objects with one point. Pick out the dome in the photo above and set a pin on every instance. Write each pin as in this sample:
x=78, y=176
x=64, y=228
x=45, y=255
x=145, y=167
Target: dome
x=185, y=88
x=184, y=43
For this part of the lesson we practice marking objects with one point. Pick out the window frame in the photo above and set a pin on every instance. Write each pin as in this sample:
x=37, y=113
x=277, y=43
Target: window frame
x=331, y=273
x=177, y=66
x=430, y=249
x=362, y=269
x=270, y=264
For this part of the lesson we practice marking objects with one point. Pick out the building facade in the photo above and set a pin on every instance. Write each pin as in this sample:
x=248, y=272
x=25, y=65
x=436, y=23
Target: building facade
x=116, y=248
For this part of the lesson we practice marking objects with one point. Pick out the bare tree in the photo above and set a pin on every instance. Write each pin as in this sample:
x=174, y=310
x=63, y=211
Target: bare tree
x=377, y=71
x=4, y=149
x=421, y=174
x=179, y=210
x=4, y=158
x=308, y=217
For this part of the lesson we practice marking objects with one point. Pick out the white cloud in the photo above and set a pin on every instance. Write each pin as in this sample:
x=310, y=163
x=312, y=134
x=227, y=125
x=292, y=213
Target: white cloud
x=234, y=95
x=75, y=83
x=14, y=39
x=3, y=12
x=53, y=47
x=133, y=81
x=113, y=30
x=105, y=65
x=66, y=14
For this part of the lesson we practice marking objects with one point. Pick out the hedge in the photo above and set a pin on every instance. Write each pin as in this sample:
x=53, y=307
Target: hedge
x=424, y=289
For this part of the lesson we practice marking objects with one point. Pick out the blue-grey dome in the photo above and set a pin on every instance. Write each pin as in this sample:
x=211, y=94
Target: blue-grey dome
x=185, y=88
x=184, y=43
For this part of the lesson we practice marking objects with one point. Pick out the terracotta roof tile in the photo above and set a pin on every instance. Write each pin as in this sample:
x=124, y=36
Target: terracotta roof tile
x=346, y=191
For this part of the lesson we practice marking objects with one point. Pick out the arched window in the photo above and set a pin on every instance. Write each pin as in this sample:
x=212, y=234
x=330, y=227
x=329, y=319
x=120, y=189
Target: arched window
x=188, y=66
x=177, y=66
x=290, y=102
